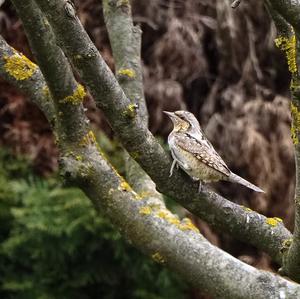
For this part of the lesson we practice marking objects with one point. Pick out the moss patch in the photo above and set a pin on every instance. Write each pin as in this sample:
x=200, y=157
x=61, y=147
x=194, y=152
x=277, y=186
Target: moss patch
x=19, y=66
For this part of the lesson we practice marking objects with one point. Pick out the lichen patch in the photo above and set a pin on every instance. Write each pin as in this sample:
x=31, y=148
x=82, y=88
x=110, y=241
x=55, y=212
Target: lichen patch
x=246, y=209
x=88, y=139
x=130, y=111
x=125, y=186
x=145, y=210
x=295, y=127
x=158, y=258
x=77, y=97
x=126, y=72
x=272, y=221
x=19, y=66
x=288, y=46
x=187, y=224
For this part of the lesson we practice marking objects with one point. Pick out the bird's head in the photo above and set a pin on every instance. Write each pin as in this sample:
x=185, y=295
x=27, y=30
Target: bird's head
x=183, y=121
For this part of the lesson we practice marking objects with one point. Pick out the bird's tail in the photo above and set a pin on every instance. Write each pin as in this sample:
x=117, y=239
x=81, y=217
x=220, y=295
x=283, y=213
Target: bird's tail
x=237, y=179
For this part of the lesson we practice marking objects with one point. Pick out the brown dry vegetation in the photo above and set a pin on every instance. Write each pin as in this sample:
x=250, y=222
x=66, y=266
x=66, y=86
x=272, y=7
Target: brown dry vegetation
x=219, y=63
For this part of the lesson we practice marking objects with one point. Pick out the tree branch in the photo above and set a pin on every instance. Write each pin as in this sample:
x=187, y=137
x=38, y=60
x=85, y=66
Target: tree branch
x=18, y=70
x=289, y=10
x=125, y=39
x=268, y=235
x=169, y=241
x=155, y=231
x=66, y=93
x=289, y=44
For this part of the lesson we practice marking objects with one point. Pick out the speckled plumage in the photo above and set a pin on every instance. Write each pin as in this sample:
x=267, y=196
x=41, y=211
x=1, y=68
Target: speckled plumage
x=192, y=151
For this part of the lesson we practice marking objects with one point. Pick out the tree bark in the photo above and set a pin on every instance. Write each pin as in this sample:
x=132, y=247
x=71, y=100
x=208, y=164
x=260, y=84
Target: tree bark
x=286, y=17
x=253, y=228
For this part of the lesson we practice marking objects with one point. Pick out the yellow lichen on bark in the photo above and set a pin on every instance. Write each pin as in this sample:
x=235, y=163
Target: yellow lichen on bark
x=77, y=97
x=287, y=243
x=135, y=155
x=88, y=139
x=127, y=72
x=145, y=210
x=158, y=258
x=130, y=110
x=295, y=128
x=187, y=224
x=246, y=209
x=19, y=66
x=46, y=91
x=125, y=186
x=168, y=216
x=272, y=221
x=288, y=46
x=79, y=158
x=144, y=194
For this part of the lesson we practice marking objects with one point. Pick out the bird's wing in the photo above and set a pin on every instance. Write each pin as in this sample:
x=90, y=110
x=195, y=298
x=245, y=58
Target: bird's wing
x=204, y=152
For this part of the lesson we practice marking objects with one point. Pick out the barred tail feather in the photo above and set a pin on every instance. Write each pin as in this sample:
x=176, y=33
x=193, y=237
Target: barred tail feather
x=237, y=179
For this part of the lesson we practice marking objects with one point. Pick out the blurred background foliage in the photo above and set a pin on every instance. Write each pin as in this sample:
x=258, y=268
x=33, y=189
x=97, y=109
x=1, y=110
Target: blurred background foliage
x=55, y=245
x=200, y=55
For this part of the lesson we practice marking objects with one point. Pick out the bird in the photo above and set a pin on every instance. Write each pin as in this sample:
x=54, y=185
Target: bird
x=195, y=155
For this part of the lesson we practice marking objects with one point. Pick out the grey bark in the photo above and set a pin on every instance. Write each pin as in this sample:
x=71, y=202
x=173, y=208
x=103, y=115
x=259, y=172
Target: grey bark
x=57, y=73
x=144, y=148
x=286, y=17
x=149, y=226
x=34, y=85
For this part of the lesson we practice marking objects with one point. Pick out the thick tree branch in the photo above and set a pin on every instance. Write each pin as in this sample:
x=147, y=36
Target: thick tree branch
x=67, y=94
x=268, y=235
x=290, y=10
x=18, y=70
x=289, y=44
x=161, y=235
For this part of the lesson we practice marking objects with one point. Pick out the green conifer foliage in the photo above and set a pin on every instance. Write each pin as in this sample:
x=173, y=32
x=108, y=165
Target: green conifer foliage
x=55, y=245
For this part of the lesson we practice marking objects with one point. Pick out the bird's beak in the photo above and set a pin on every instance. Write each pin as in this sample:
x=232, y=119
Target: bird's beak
x=170, y=114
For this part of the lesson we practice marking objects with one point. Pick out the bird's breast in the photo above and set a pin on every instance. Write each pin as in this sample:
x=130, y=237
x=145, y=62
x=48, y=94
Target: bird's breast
x=193, y=166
